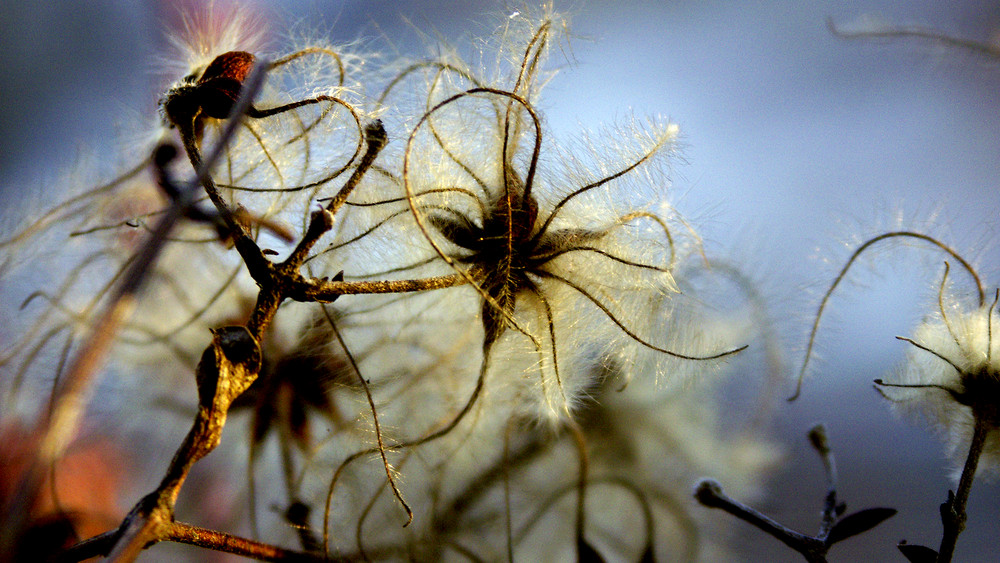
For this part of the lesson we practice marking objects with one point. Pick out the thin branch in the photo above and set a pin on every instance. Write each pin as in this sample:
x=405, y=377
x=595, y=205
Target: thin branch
x=709, y=493
x=833, y=527
x=218, y=541
x=326, y=291
x=953, y=514
x=818, y=439
x=180, y=532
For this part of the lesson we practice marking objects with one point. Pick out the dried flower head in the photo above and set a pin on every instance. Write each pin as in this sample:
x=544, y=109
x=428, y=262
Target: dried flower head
x=571, y=257
x=302, y=132
x=295, y=382
x=568, y=249
x=952, y=376
x=644, y=447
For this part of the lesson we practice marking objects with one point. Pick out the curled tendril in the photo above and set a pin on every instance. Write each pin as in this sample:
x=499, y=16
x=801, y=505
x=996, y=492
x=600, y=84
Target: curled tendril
x=850, y=262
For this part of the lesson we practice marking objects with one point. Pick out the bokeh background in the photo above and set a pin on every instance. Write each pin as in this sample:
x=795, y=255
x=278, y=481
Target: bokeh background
x=795, y=143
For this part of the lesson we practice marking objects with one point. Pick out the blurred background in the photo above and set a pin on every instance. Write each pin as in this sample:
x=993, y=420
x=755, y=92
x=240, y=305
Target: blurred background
x=797, y=144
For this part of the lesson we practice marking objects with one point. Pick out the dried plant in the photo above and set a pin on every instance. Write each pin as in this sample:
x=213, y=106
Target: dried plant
x=949, y=376
x=952, y=377
x=547, y=238
x=834, y=526
x=421, y=294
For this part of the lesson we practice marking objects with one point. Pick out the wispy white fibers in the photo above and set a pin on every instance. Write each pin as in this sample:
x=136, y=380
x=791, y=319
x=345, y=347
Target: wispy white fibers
x=569, y=248
x=953, y=368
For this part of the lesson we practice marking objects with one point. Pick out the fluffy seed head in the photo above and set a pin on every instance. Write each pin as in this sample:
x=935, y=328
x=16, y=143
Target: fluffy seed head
x=567, y=248
x=953, y=374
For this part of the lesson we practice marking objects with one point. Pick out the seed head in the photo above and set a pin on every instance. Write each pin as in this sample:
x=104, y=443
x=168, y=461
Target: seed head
x=952, y=376
x=565, y=248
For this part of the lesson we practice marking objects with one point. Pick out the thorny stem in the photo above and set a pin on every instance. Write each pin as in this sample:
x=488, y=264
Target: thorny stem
x=953, y=512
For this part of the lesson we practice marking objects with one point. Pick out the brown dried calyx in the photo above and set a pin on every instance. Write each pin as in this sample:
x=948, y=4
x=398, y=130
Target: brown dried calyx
x=221, y=82
x=213, y=94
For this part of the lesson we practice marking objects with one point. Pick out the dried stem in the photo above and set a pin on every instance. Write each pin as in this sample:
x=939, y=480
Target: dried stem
x=580, y=442
x=709, y=493
x=818, y=440
x=180, y=532
x=953, y=514
x=218, y=541
x=833, y=526
x=233, y=361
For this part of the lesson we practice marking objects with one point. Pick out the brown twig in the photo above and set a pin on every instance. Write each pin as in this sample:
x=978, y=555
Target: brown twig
x=233, y=361
x=180, y=532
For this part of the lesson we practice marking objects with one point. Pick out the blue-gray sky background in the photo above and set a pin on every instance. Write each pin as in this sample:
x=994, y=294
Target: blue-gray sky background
x=795, y=141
